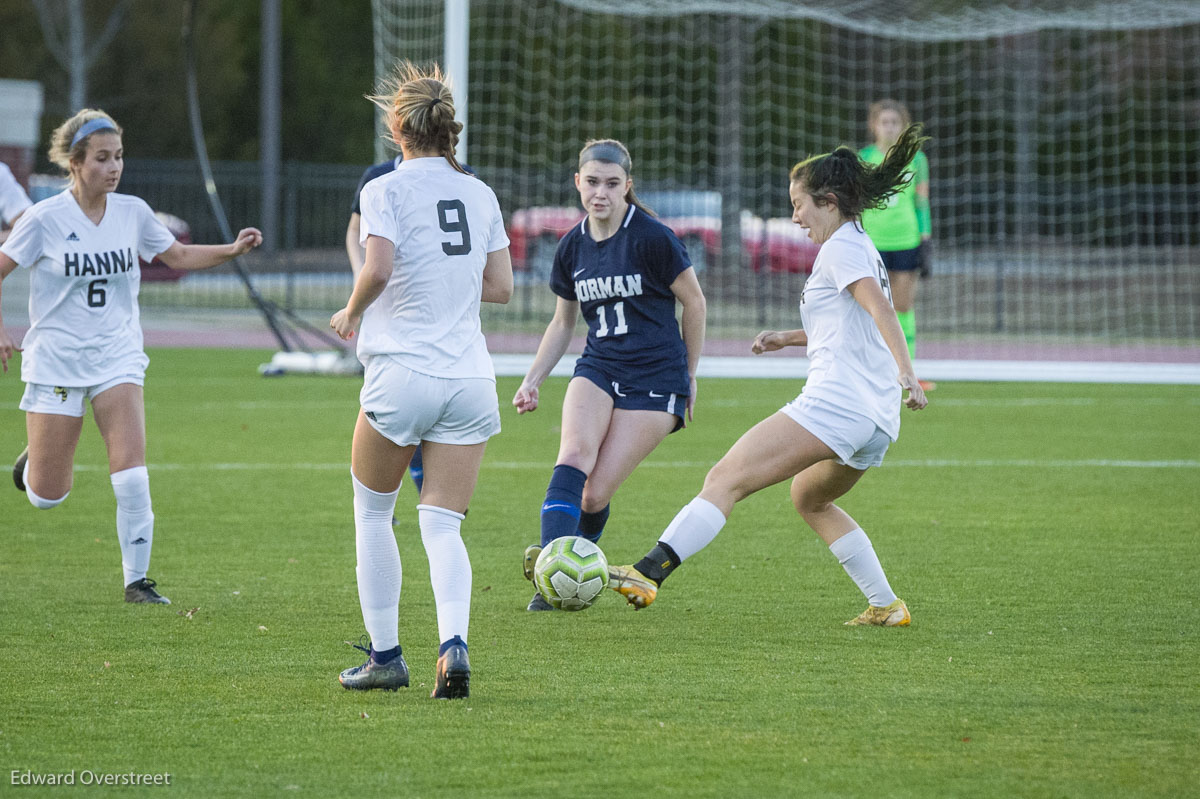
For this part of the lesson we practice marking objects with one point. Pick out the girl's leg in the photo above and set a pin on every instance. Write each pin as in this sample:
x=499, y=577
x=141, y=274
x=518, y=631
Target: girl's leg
x=121, y=416
x=49, y=470
x=632, y=435
x=813, y=493
x=451, y=472
x=377, y=466
x=586, y=416
x=904, y=293
x=770, y=452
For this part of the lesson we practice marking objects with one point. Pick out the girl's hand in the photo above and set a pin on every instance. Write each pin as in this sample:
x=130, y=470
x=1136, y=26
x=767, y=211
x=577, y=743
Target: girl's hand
x=767, y=341
x=7, y=348
x=526, y=399
x=916, y=395
x=247, y=239
x=344, y=324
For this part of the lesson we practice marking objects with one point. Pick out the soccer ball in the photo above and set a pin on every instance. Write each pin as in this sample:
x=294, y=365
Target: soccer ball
x=571, y=573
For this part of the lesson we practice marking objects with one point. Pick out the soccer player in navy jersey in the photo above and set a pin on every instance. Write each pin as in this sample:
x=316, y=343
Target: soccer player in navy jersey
x=624, y=270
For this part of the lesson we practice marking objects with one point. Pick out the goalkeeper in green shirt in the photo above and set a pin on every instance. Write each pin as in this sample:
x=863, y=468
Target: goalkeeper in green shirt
x=901, y=229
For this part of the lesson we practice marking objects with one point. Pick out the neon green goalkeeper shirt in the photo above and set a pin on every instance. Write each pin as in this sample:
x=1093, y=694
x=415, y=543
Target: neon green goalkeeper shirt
x=895, y=227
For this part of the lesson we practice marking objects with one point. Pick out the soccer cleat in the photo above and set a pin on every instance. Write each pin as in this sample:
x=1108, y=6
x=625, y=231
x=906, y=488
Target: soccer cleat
x=531, y=556
x=19, y=469
x=388, y=676
x=453, y=674
x=893, y=615
x=539, y=603
x=143, y=591
x=637, y=589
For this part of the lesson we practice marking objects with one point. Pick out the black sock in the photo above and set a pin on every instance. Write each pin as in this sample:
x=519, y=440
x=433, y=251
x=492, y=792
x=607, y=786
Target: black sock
x=658, y=563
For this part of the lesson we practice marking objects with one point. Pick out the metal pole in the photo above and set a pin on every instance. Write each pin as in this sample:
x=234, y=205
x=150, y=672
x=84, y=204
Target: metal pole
x=77, y=56
x=269, y=125
x=456, y=28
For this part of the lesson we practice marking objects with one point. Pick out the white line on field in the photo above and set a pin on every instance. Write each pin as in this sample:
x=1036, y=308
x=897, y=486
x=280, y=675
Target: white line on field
x=936, y=463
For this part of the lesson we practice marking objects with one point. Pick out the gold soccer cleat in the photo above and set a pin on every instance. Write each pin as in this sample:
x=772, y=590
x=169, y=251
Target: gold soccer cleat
x=531, y=556
x=893, y=615
x=637, y=589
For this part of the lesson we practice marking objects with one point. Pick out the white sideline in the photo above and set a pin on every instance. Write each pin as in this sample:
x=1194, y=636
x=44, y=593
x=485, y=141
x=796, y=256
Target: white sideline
x=935, y=463
x=1000, y=371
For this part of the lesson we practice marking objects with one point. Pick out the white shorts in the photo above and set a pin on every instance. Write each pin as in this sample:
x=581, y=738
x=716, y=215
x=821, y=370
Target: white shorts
x=409, y=407
x=68, y=400
x=858, y=441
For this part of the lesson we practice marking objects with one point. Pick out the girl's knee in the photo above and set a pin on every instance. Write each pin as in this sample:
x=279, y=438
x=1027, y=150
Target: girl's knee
x=41, y=503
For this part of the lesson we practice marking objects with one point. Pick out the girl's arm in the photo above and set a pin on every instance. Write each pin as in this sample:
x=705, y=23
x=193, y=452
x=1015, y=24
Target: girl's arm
x=372, y=280
x=7, y=345
x=498, y=277
x=686, y=289
x=190, y=257
x=554, y=344
x=867, y=293
x=771, y=340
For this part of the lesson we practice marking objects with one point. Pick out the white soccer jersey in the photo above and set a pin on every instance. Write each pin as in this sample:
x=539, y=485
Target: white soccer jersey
x=83, y=309
x=13, y=199
x=443, y=224
x=849, y=363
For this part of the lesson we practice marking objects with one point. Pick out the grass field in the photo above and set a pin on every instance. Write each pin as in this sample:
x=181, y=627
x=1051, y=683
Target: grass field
x=1044, y=536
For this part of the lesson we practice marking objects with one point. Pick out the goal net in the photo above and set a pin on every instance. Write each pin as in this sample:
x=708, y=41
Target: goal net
x=1064, y=168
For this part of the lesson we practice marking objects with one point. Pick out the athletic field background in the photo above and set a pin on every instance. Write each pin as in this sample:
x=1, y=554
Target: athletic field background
x=1043, y=535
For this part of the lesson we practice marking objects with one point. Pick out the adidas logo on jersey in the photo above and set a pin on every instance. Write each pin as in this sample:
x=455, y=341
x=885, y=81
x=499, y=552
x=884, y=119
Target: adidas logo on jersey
x=72, y=237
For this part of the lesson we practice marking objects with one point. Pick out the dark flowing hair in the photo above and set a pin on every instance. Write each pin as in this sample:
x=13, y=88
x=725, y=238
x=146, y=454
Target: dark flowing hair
x=855, y=184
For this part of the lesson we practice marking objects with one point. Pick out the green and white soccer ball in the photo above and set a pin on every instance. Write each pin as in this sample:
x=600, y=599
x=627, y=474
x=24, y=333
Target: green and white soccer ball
x=571, y=573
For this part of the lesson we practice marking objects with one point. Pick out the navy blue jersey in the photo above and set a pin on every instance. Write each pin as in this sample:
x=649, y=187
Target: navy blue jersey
x=382, y=168
x=623, y=287
x=372, y=172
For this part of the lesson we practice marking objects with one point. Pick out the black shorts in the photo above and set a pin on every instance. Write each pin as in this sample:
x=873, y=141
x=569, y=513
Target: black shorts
x=635, y=399
x=902, y=260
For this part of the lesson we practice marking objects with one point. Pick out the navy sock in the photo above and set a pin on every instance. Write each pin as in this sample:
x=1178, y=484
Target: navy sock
x=386, y=656
x=416, y=469
x=560, y=511
x=455, y=641
x=591, y=525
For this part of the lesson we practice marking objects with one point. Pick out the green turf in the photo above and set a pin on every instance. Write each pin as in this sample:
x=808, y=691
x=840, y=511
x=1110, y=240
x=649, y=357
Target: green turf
x=1051, y=571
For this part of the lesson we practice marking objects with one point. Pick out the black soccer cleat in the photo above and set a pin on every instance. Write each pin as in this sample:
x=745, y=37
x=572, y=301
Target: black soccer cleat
x=142, y=591
x=19, y=470
x=453, y=674
x=388, y=676
x=539, y=603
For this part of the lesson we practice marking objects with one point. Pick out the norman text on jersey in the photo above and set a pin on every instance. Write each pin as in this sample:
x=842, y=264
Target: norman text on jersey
x=602, y=288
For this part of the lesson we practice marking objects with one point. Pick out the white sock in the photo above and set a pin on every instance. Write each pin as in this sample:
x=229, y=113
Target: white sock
x=135, y=520
x=449, y=569
x=42, y=503
x=378, y=567
x=693, y=528
x=858, y=558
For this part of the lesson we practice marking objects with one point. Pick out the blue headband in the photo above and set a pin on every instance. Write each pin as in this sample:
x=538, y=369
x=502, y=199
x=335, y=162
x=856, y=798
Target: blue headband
x=90, y=127
x=605, y=151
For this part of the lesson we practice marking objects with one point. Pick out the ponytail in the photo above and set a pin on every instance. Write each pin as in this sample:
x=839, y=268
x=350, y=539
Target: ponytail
x=854, y=184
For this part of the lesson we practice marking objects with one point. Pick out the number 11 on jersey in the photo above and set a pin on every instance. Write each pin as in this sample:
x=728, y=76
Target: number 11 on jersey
x=620, y=329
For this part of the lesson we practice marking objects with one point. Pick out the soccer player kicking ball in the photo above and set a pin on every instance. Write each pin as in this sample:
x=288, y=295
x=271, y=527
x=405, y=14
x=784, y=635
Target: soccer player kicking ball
x=624, y=270
x=84, y=341
x=849, y=409
x=435, y=248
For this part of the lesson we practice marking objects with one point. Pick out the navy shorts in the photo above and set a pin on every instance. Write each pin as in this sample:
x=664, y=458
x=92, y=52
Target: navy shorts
x=902, y=260
x=630, y=398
